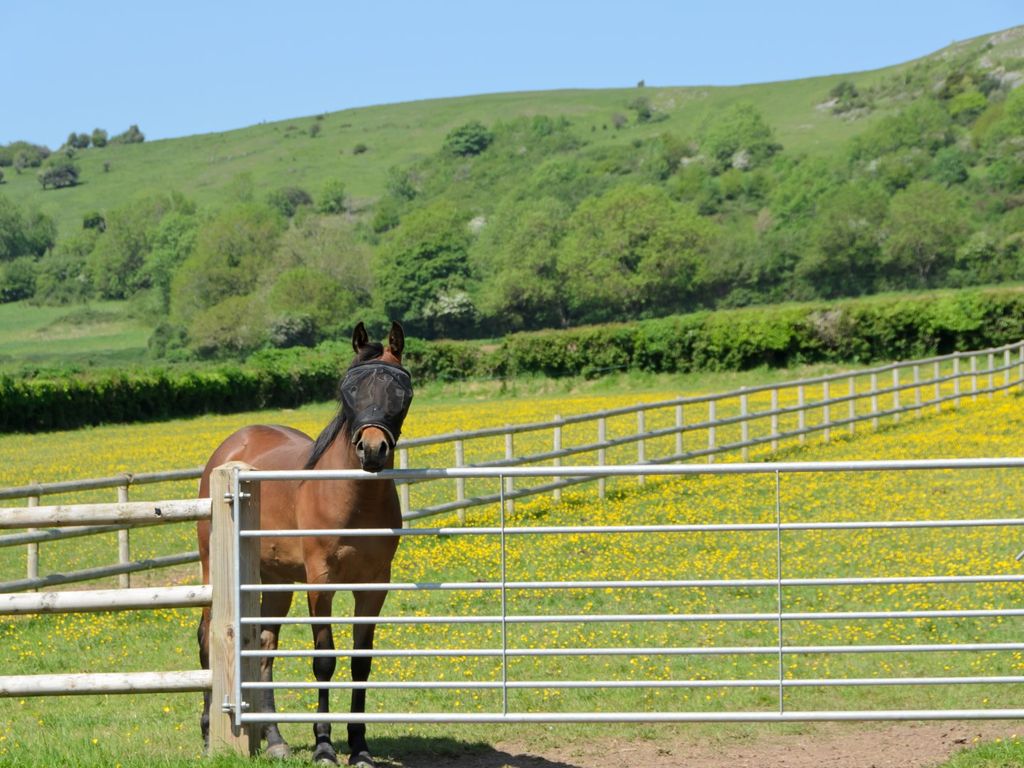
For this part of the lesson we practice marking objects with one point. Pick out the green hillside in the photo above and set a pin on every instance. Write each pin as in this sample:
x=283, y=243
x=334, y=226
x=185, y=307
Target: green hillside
x=479, y=216
x=282, y=153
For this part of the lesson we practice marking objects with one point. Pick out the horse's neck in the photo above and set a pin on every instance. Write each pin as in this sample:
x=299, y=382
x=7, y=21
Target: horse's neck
x=340, y=454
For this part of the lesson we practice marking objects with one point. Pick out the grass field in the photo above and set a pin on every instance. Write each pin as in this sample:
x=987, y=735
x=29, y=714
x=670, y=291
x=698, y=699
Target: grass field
x=162, y=730
x=100, y=333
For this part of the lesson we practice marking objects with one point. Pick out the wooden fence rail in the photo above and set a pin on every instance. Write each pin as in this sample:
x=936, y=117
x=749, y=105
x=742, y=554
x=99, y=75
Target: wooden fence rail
x=219, y=595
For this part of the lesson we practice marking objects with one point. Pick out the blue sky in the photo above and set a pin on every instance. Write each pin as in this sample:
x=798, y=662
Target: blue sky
x=188, y=67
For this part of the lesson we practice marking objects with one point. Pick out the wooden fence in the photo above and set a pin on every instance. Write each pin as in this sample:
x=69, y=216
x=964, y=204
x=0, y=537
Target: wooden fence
x=223, y=599
x=700, y=428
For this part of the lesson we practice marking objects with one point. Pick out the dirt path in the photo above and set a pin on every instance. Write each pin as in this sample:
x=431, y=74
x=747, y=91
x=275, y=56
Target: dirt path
x=902, y=745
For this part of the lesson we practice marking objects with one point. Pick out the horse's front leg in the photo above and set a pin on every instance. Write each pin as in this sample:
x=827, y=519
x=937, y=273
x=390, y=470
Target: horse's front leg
x=323, y=670
x=274, y=604
x=367, y=603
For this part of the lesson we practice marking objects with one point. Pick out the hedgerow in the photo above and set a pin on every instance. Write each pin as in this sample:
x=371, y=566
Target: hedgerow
x=855, y=332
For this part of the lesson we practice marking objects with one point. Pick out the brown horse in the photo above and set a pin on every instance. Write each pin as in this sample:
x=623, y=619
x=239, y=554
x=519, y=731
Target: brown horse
x=375, y=394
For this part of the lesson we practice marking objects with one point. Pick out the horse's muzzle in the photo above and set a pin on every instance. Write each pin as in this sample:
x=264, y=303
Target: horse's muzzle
x=374, y=448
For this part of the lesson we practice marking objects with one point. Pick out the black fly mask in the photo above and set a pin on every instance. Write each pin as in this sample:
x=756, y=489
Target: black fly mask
x=376, y=394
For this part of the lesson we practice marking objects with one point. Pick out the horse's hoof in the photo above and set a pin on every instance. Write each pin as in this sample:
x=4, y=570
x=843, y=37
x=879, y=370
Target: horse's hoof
x=362, y=760
x=279, y=751
x=324, y=754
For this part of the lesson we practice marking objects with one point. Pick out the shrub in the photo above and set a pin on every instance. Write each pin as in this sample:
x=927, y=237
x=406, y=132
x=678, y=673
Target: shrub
x=18, y=279
x=94, y=220
x=332, y=197
x=469, y=139
x=99, y=138
x=60, y=173
x=287, y=200
x=132, y=136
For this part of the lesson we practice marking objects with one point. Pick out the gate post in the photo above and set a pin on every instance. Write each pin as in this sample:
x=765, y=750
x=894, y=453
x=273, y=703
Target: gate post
x=229, y=605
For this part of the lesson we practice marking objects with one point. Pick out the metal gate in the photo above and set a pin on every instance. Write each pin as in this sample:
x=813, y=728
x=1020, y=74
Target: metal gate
x=779, y=610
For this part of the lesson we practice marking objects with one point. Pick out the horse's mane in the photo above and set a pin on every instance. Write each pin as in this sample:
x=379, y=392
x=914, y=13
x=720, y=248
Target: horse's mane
x=330, y=433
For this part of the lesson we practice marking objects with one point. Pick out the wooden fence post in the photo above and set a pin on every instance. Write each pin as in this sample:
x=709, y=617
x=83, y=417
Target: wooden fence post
x=510, y=454
x=124, y=548
x=556, y=446
x=32, y=554
x=874, y=401
x=680, y=423
x=853, y=406
x=229, y=604
x=744, y=426
x=403, y=489
x=896, y=395
x=974, y=378
x=460, y=482
x=801, y=416
x=775, y=419
x=826, y=411
x=711, y=431
x=641, y=448
x=956, y=382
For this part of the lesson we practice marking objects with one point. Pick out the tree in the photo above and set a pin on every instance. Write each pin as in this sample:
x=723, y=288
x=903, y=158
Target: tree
x=60, y=172
x=515, y=262
x=287, y=200
x=78, y=140
x=420, y=262
x=94, y=220
x=99, y=138
x=926, y=224
x=736, y=133
x=846, y=241
x=642, y=106
x=231, y=251
x=116, y=265
x=631, y=252
x=171, y=243
x=18, y=279
x=230, y=328
x=61, y=276
x=332, y=197
x=304, y=292
x=132, y=136
x=469, y=139
x=24, y=233
x=924, y=124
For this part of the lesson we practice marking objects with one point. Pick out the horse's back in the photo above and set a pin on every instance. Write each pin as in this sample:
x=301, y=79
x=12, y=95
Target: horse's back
x=263, y=446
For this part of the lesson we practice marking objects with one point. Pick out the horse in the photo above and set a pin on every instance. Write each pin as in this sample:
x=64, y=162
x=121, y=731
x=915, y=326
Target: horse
x=374, y=397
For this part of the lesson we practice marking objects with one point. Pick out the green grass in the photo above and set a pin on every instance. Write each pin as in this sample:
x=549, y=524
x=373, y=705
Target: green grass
x=101, y=333
x=161, y=730
x=1003, y=753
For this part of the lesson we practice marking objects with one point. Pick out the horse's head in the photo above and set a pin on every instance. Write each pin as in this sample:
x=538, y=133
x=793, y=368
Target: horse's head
x=375, y=395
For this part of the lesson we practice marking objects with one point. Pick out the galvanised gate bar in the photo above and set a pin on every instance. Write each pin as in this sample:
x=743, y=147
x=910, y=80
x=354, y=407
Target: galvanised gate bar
x=780, y=651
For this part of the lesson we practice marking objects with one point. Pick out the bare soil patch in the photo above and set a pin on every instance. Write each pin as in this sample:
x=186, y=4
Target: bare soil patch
x=900, y=745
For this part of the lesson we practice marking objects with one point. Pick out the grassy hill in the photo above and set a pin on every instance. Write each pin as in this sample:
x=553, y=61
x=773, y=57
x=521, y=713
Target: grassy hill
x=284, y=153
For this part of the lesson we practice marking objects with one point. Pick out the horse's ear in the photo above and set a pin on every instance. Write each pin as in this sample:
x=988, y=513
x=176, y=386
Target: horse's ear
x=396, y=339
x=360, y=338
